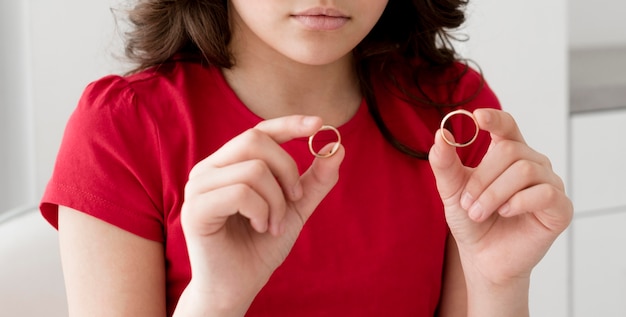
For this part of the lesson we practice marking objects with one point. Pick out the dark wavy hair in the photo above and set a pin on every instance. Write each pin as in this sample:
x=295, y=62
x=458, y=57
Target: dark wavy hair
x=407, y=30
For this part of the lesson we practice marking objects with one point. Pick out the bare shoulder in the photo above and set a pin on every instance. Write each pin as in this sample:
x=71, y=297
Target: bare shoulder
x=109, y=271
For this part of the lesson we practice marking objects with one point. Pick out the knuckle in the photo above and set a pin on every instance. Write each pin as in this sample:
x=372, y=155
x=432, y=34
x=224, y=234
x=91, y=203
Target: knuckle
x=550, y=193
x=193, y=172
x=257, y=168
x=475, y=185
x=185, y=209
x=527, y=169
x=560, y=184
x=190, y=210
x=196, y=186
x=190, y=189
x=196, y=169
x=509, y=148
x=544, y=160
x=239, y=191
x=488, y=197
x=253, y=135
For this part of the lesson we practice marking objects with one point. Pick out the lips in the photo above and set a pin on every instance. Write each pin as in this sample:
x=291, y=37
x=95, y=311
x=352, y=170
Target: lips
x=321, y=19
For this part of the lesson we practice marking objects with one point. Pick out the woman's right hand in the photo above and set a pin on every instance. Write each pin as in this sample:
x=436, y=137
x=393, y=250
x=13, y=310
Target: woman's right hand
x=244, y=207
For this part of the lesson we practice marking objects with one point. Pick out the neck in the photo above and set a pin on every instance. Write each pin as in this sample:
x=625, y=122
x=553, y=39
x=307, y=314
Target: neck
x=271, y=86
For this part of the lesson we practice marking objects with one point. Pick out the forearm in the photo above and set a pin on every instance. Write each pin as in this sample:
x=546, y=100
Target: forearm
x=485, y=299
x=193, y=303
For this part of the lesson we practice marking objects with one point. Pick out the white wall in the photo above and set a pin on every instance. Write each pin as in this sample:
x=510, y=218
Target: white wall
x=69, y=50
x=598, y=154
x=597, y=23
x=521, y=47
x=16, y=127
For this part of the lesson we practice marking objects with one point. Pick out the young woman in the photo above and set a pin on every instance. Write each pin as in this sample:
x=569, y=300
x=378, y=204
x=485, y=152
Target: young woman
x=187, y=187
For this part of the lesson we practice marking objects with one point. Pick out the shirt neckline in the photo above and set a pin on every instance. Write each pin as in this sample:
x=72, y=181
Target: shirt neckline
x=356, y=120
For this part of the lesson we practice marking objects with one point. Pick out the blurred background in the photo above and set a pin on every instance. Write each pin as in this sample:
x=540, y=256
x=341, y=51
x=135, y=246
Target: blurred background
x=558, y=66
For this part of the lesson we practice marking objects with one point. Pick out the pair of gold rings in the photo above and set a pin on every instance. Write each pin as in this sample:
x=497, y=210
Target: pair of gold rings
x=443, y=123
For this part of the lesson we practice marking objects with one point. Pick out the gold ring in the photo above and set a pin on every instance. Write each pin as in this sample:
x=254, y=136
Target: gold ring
x=460, y=111
x=335, y=147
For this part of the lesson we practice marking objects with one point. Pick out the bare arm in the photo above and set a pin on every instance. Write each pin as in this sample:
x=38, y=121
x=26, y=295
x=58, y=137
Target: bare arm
x=109, y=271
x=508, y=299
x=453, y=301
x=504, y=214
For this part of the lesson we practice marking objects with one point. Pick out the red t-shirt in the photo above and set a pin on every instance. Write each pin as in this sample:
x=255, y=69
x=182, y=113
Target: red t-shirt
x=374, y=246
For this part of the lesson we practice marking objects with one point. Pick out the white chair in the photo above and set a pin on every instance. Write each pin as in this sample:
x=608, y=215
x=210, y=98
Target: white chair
x=31, y=279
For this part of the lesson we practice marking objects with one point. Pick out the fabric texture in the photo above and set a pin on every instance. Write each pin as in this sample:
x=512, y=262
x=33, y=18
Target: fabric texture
x=373, y=247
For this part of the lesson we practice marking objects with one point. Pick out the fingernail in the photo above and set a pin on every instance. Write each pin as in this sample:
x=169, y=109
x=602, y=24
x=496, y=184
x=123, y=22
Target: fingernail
x=505, y=210
x=475, y=211
x=467, y=200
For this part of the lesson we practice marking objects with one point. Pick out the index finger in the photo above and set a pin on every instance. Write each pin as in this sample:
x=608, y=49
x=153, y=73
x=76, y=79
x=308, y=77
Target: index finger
x=262, y=143
x=276, y=131
x=286, y=128
x=499, y=124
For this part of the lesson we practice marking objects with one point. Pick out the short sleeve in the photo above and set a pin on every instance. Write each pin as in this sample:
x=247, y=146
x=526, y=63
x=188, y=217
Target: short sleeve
x=107, y=165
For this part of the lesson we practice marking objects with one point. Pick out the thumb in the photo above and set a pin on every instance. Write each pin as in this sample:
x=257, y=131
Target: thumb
x=318, y=180
x=450, y=174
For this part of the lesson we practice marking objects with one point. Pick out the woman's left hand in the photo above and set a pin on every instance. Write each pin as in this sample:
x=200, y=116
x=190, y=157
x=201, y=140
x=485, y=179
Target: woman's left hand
x=505, y=213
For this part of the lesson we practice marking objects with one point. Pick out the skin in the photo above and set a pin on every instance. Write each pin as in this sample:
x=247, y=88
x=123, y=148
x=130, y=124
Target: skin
x=284, y=68
x=246, y=203
x=523, y=209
